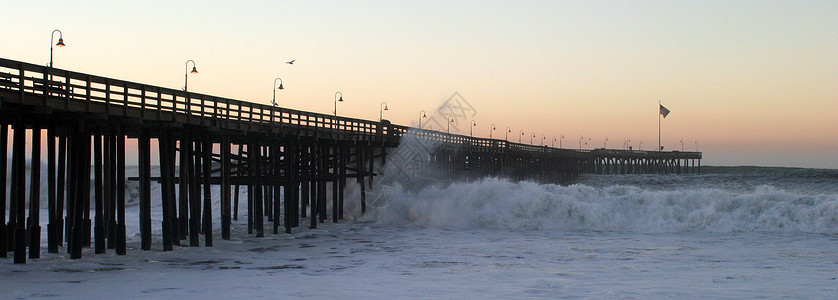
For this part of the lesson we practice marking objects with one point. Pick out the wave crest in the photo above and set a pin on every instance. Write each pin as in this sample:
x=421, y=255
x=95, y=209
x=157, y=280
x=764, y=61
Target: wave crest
x=501, y=204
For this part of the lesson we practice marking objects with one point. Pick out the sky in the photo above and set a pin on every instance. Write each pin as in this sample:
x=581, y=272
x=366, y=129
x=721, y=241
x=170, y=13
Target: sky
x=747, y=82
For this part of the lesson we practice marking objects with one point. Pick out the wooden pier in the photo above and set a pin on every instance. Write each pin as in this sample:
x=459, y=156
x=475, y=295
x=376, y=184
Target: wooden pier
x=293, y=164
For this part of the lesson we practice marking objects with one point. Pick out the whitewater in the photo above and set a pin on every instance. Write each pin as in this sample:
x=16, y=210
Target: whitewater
x=731, y=232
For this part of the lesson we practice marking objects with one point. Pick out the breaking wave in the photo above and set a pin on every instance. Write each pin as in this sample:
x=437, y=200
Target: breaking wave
x=501, y=204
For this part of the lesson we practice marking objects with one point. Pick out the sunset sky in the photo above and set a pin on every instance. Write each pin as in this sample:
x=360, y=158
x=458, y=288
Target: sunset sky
x=748, y=82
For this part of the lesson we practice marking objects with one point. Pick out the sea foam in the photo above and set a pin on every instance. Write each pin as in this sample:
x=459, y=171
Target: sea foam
x=502, y=204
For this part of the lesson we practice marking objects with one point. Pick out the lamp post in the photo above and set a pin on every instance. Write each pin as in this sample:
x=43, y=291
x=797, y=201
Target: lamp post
x=451, y=120
x=682, y=145
x=605, y=144
x=336, y=102
x=543, y=138
x=561, y=137
x=186, y=73
x=519, y=138
x=508, y=131
x=491, y=131
x=553, y=144
x=275, y=88
x=471, y=128
x=59, y=44
x=641, y=146
x=381, y=111
x=421, y=116
x=533, y=136
x=696, y=146
x=580, y=142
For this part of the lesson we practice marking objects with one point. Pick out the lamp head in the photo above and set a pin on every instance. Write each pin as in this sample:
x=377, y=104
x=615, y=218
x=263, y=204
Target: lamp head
x=60, y=42
x=424, y=116
x=385, y=107
x=194, y=71
x=341, y=99
x=280, y=87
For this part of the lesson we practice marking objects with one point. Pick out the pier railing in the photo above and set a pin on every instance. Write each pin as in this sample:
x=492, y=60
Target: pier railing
x=80, y=92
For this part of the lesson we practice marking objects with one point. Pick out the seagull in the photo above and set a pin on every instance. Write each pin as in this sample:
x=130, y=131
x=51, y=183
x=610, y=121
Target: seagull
x=290, y=62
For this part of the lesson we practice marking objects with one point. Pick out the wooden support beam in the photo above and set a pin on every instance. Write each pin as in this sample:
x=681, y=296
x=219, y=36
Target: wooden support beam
x=34, y=226
x=207, y=211
x=276, y=187
x=171, y=171
x=80, y=189
x=239, y=173
x=296, y=202
x=267, y=187
x=18, y=193
x=85, y=184
x=314, y=160
x=86, y=199
x=183, y=189
x=359, y=159
x=225, y=188
x=258, y=213
x=194, y=192
x=4, y=232
x=99, y=201
x=290, y=189
x=251, y=185
x=166, y=188
x=322, y=176
x=120, y=191
x=344, y=153
x=110, y=189
x=371, y=161
x=52, y=208
x=144, y=161
x=198, y=180
x=305, y=184
x=61, y=186
x=334, y=178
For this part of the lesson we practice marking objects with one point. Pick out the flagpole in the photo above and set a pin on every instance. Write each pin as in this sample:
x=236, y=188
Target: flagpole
x=659, y=125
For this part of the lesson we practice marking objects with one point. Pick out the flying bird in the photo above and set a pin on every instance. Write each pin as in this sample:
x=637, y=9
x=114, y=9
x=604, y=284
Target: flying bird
x=290, y=62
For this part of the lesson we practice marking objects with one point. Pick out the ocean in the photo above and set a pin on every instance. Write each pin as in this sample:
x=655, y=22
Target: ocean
x=730, y=232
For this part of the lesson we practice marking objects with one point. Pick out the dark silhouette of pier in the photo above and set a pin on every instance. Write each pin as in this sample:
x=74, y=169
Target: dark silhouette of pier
x=286, y=159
